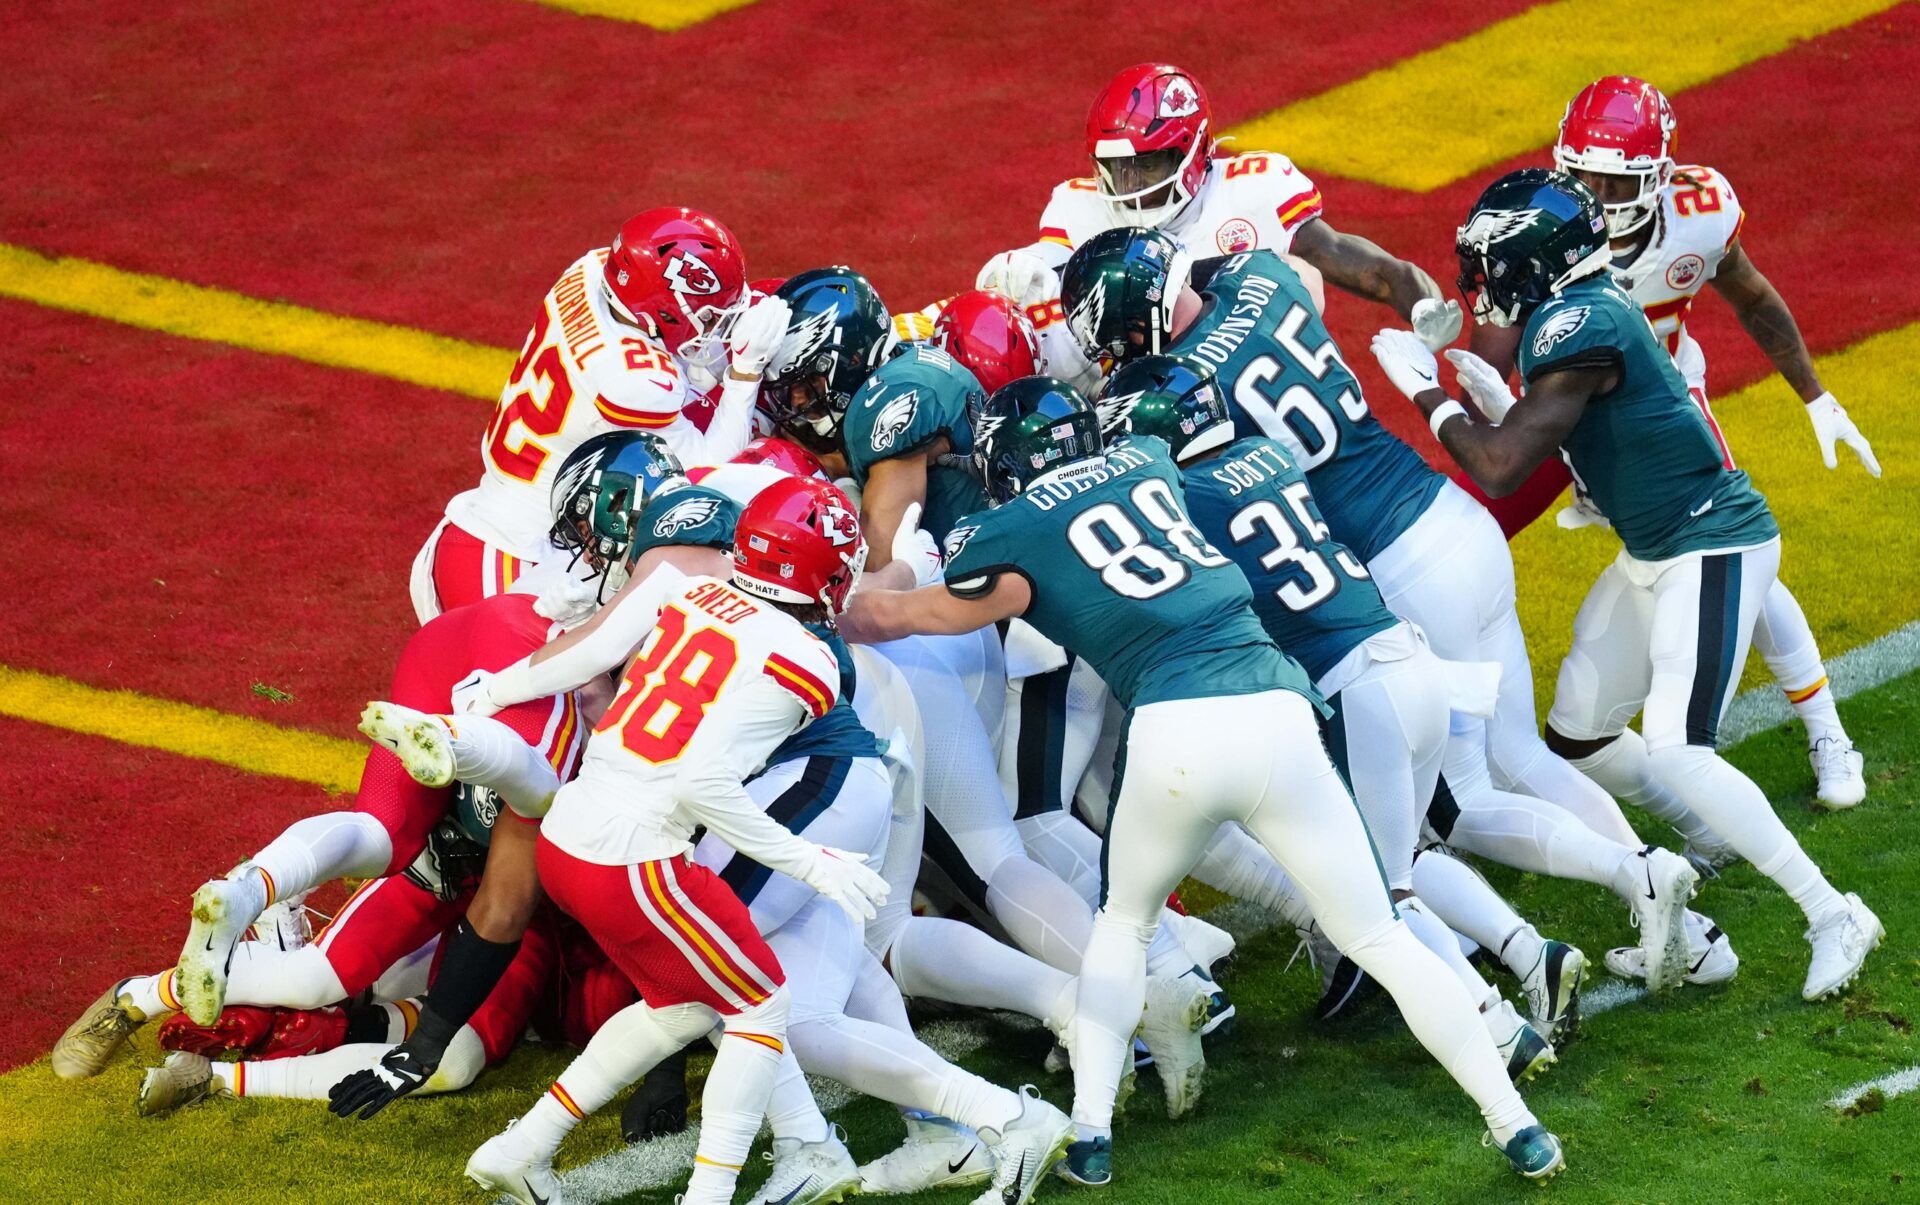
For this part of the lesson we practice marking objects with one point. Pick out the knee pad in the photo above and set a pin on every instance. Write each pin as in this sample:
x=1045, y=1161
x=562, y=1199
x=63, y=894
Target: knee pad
x=770, y=1016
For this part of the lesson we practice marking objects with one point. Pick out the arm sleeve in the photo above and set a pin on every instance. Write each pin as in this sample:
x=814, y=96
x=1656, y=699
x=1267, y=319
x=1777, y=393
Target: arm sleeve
x=623, y=626
x=730, y=745
x=732, y=425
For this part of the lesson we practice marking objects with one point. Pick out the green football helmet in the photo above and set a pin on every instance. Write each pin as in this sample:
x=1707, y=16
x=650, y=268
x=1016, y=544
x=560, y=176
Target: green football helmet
x=598, y=495
x=1120, y=283
x=838, y=332
x=1028, y=428
x=1531, y=234
x=1169, y=397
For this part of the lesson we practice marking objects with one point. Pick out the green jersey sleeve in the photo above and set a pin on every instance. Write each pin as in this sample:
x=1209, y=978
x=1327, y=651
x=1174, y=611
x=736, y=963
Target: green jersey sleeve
x=981, y=547
x=908, y=402
x=1571, y=332
x=691, y=516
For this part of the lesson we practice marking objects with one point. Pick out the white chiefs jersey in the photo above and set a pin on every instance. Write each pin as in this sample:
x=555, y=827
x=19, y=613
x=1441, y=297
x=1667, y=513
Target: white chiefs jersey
x=583, y=372
x=1695, y=226
x=729, y=674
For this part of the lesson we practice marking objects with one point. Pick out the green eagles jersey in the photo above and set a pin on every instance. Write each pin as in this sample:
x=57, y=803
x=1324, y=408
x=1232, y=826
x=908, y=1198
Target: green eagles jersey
x=1313, y=595
x=1641, y=451
x=1283, y=378
x=908, y=402
x=1122, y=578
x=692, y=516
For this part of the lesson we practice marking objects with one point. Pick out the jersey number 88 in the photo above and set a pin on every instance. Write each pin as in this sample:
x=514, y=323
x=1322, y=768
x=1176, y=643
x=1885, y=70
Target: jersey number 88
x=1109, y=542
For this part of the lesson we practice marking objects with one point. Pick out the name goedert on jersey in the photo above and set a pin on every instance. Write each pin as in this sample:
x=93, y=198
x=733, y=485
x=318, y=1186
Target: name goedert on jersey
x=1119, y=460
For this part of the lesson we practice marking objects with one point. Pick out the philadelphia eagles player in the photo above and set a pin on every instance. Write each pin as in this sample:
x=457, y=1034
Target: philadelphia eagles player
x=1091, y=546
x=1438, y=558
x=1664, y=631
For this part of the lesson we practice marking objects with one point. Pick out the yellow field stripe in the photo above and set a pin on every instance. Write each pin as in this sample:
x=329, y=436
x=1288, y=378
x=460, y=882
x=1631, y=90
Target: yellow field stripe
x=274, y=327
x=659, y=14
x=254, y=746
x=1850, y=542
x=1449, y=112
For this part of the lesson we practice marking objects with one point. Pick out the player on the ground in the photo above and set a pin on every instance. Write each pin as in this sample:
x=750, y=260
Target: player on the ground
x=1390, y=696
x=1436, y=555
x=1093, y=547
x=628, y=337
x=1664, y=631
x=1673, y=230
x=1157, y=163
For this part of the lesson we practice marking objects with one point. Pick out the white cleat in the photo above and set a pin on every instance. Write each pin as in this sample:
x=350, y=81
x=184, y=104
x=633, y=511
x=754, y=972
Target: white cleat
x=1204, y=942
x=809, y=1173
x=1026, y=1150
x=1552, y=988
x=1663, y=883
x=499, y=1167
x=1840, y=772
x=938, y=1153
x=1176, y=1014
x=92, y=1041
x=181, y=1080
x=223, y=910
x=1841, y=944
x=285, y=925
x=422, y=742
x=1710, y=956
x=1525, y=1050
x=1710, y=856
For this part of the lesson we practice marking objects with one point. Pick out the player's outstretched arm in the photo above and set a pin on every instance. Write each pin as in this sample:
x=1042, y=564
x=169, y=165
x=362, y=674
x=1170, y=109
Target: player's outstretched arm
x=892, y=486
x=1764, y=313
x=1362, y=268
x=877, y=616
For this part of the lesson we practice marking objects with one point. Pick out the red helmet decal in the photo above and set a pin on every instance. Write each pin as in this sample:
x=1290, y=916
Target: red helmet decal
x=686, y=272
x=1178, y=99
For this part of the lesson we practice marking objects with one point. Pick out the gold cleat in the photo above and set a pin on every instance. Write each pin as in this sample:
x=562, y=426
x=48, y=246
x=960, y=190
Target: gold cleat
x=91, y=1042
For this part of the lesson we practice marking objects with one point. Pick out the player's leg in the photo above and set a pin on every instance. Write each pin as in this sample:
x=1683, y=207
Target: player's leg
x=1784, y=638
x=480, y=751
x=1704, y=611
x=456, y=568
x=1550, y=972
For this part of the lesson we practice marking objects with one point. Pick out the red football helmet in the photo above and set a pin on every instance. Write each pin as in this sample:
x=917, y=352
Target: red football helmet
x=988, y=334
x=1150, y=133
x=782, y=454
x=799, y=542
x=678, y=273
x=1620, y=126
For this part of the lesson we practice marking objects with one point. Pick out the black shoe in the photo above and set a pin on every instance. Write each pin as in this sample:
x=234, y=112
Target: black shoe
x=658, y=1107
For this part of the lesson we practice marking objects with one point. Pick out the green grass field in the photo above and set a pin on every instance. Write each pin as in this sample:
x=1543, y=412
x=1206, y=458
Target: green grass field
x=1724, y=1088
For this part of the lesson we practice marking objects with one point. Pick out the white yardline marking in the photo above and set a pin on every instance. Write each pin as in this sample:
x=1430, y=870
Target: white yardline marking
x=1897, y=1083
x=1608, y=995
x=1872, y=664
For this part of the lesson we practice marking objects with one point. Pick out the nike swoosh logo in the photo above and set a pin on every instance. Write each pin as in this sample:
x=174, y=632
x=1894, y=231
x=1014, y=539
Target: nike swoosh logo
x=802, y=1187
x=1650, y=892
x=1702, y=509
x=953, y=1169
x=528, y=1185
x=1011, y=1193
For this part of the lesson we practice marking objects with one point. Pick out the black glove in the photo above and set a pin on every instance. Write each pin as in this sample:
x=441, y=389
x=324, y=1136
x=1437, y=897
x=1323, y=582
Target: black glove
x=402, y=1071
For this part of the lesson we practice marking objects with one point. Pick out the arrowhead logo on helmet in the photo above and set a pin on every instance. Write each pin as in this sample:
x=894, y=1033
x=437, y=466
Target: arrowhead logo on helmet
x=691, y=513
x=894, y=419
x=1491, y=226
x=687, y=273
x=839, y=524
x=1178, y=99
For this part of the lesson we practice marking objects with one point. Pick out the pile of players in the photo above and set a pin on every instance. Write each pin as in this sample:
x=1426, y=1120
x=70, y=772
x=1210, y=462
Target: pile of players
x=1036, y=602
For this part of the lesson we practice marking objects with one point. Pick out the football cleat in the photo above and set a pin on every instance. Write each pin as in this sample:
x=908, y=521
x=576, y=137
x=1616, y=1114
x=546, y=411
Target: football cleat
x=809, y=1173
x=1208, y=943
x=1710, y=956
x=1220, y=1014
x=938, y=1153
x=1663, y=883
x=1840, y=773
x=1710, y=856
x=1342, y=982
x=1552, y=988
x=658, y=1107
x=1088, y=1163
x=421, y=741
x=499, y=1167
x=1534, y=1152
x=1025, y=1150
x=91, y=1042
x=183, y=1079
x=1841, y=944
x=1526, y=1052
x=284, y=924
x=1177, y=1010
x=222, y=911
x=258, y=1033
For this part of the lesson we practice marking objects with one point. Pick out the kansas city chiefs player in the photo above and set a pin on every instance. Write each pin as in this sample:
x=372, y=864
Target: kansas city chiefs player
x=628, y=336
x=1157, y=163
x=998, y=340
x=1673, y=230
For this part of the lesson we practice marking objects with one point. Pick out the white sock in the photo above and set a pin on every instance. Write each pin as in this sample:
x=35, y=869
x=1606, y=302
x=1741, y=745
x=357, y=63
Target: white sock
x=306, y=1077
x=1043, y=915
x=1457, y=894
x=1235, y=864
x=792, y=1112
x=152, y=994
x=1624, y=770
x=1785, y=641
x=487, y=753
x=321, y=848
x=1113, y=994
x=1437, y=937
x=619, y=1053
x=735, y=1098
x=268, y=976
x=946, y=960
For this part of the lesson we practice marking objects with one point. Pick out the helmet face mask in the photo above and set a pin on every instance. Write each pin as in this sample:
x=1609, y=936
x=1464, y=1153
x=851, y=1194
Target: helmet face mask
x=837, y=334
x=1531, y=234
x=597, y=498
x=1149, y=134
x=1119, y=290
x=677, y=274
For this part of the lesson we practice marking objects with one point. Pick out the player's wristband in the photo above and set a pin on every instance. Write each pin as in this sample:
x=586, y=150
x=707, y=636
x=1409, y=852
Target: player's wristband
x=1441, y=413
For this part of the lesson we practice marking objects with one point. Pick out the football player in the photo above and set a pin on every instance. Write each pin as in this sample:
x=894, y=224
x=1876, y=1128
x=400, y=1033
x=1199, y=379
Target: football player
x=1093, y=547
x=627, y=338
x=1664, y=631
x=1674, y=230
x=1158, y=163
x=995, y=338
x=1436, y=555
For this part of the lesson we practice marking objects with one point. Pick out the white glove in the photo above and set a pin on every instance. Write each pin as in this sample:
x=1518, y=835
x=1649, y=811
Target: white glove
x=1579, y=513
x=1830, y=423
x=757, y=336
x=1020, y=276
x=912, y=544
x=846, y=879
x=1437, y=322
x=1407, y=361
x=1483, y=384
x=472, y=695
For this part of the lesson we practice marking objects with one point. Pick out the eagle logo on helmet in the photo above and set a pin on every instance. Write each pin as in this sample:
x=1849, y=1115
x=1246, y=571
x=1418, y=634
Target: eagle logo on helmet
x=691, y=513
x=1557, y=328
x=894, y=419
x=810, y=336
x=1113, y=411
x=1491, y=226
x=1085, y=318
x=1178, y=98
x=688, y=273
x=987, y=428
